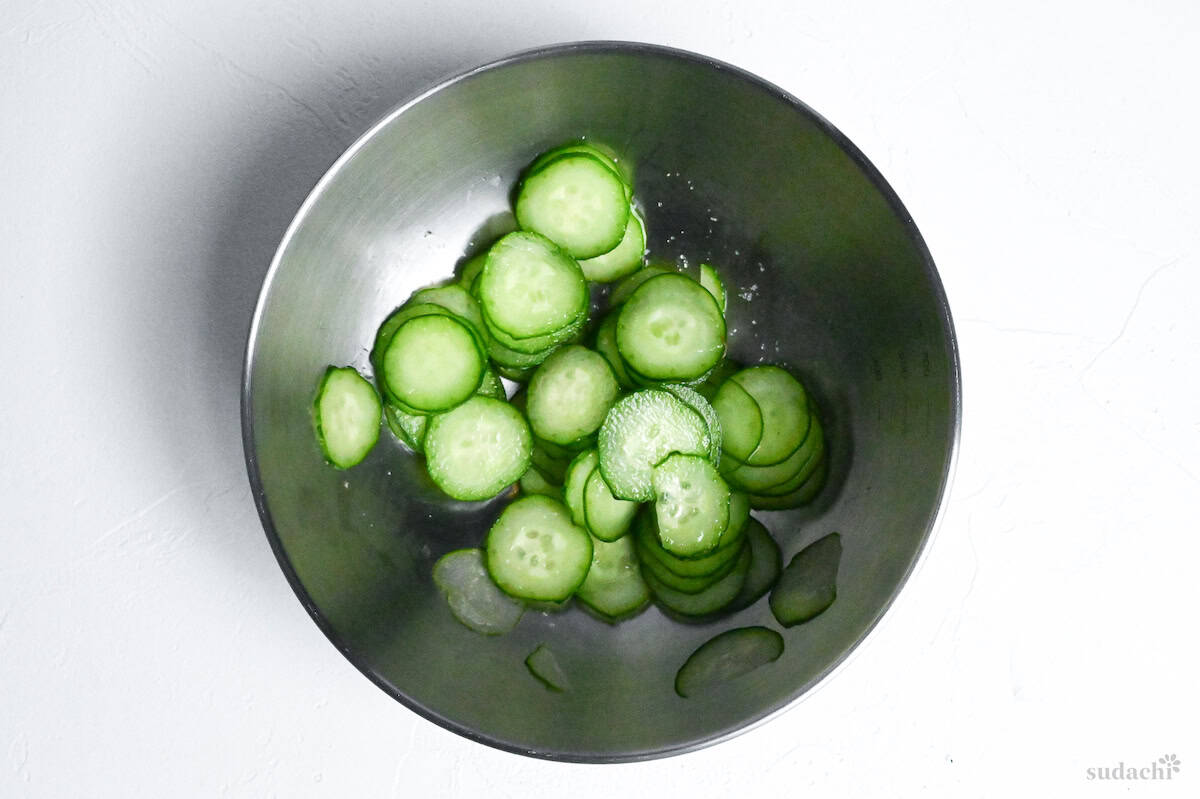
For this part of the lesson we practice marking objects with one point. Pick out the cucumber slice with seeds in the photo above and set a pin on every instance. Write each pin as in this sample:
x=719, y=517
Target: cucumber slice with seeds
x=478, y=449
x=570, y=394
x=346, y=414
x=529, y=287
x=808, y=585
x=576, y=201
x=700, y=405
x=692, y=505
x=607, y=517
x=640, y=431
x=623, y=259
x=472, y=596
x=671, y=329
x=614, y=587
x=432, y=363
x=726, y=657
x=535, y=552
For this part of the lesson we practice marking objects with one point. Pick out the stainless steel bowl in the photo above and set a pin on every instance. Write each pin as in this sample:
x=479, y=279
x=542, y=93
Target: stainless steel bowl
x=829, y=275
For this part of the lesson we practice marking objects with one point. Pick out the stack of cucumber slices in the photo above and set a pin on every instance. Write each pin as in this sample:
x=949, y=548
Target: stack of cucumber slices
x=633, y=463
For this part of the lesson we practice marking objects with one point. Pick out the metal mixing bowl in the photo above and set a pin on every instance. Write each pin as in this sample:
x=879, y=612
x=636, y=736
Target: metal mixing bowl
x=828, y=274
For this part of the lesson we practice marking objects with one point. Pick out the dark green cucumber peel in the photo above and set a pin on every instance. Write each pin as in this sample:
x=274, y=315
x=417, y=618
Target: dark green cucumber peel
x=543, y=665
x=808, y=586
x=726, y=657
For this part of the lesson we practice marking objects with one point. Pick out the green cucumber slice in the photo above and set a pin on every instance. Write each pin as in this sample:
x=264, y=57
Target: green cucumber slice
x=808, y=585
x=535, y=552
x=472, y=596
x=614, y=587
x=696, y=401
x=682, y=583
x=766, y=563
x=408, y=427
x=785, y=412
x=479, y=448
x=432, y=363
x=529, y=287
x=576, y=201
x=801, y=496
x=640, y=431
x=713, y=283
x=346, y=414
x=671, y=329
x=570, y=394
x=623, y=259
x=646, y=534
x=544, y=665
x=622, y=169
x=783, y=477
x=710, y=600
x=624, y=290
x=692, y=505
x=606, y=345
x=726, y=657
x=741, y=419
x=607, y=517
x=578, y=472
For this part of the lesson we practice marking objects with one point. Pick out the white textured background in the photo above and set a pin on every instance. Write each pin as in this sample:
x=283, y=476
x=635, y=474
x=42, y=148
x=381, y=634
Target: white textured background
x=151, y=154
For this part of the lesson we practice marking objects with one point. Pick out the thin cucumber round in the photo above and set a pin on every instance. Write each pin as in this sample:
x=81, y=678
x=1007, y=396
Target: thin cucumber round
x=536, y=345
x=472, y=596
x=624, y=290
x=606, y=345
x=714, y=285
x=455, y=299
x=607, y=517
x=576, y=201
x=346, y=414
x=726, y=657
x=741, y=419
x=529, y=287
x=682, y=583
x=544, y=665
x=801, y=496
x=785, y=412
x=766, y=563
x=808, y=586
x=692, y=505
x=710, y=600
x=570, y=394
x=575, y=484
x=640, y=431
x=535, y=552
x=716, y=376
x=646, y=534
x=607, y=157
x=476, y=450
x=614, y=587
x=671, y=329
x=783, y=477
x=694, y=400
x=623, y=259
x=398, y=317
x=432, y=363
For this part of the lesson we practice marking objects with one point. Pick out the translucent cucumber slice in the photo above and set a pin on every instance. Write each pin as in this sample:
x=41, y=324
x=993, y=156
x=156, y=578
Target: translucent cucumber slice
x=808, y=585
x=726, y=657
x=472, y=596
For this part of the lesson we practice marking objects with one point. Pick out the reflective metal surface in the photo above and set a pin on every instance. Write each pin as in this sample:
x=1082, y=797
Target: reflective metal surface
x=828, y=274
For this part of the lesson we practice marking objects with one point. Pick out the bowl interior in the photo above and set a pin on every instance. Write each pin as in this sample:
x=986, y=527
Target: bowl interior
x=827, y=275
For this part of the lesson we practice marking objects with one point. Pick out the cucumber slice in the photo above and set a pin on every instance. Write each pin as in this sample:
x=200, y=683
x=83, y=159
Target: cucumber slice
x=712, y=282
x=535, y=345
x=766, y=562
x=471, y=269
x=646, y=534
x=708, y=387
x=624, y=290
x=432, y=363
x=694, y=400
x=606, y=345
x=671, y=329
x=784, y=477
x=739, y=514
x=390, y=325
x=785, y=412
x=708, y=601
x=476, y=450
x=529, y=287
x=640, y=431
x=808, y=585
x=576, y=201
x=534, y=482
x=455, y=299
x=544, y=665
x=346, y=414
x=570, y=394
x=607, y=156
x=614, y=587
x=623, y=259
x=607, y=517
x=801, y=496
x=472, y=596
x=726, y=657
x=408, y=427
x=575, y=484
x=677, y=582
x=692, y=506
x=741, y=419
x=535, y=552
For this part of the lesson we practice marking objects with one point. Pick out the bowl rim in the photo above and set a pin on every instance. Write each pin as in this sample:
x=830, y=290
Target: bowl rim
x=871, y=173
